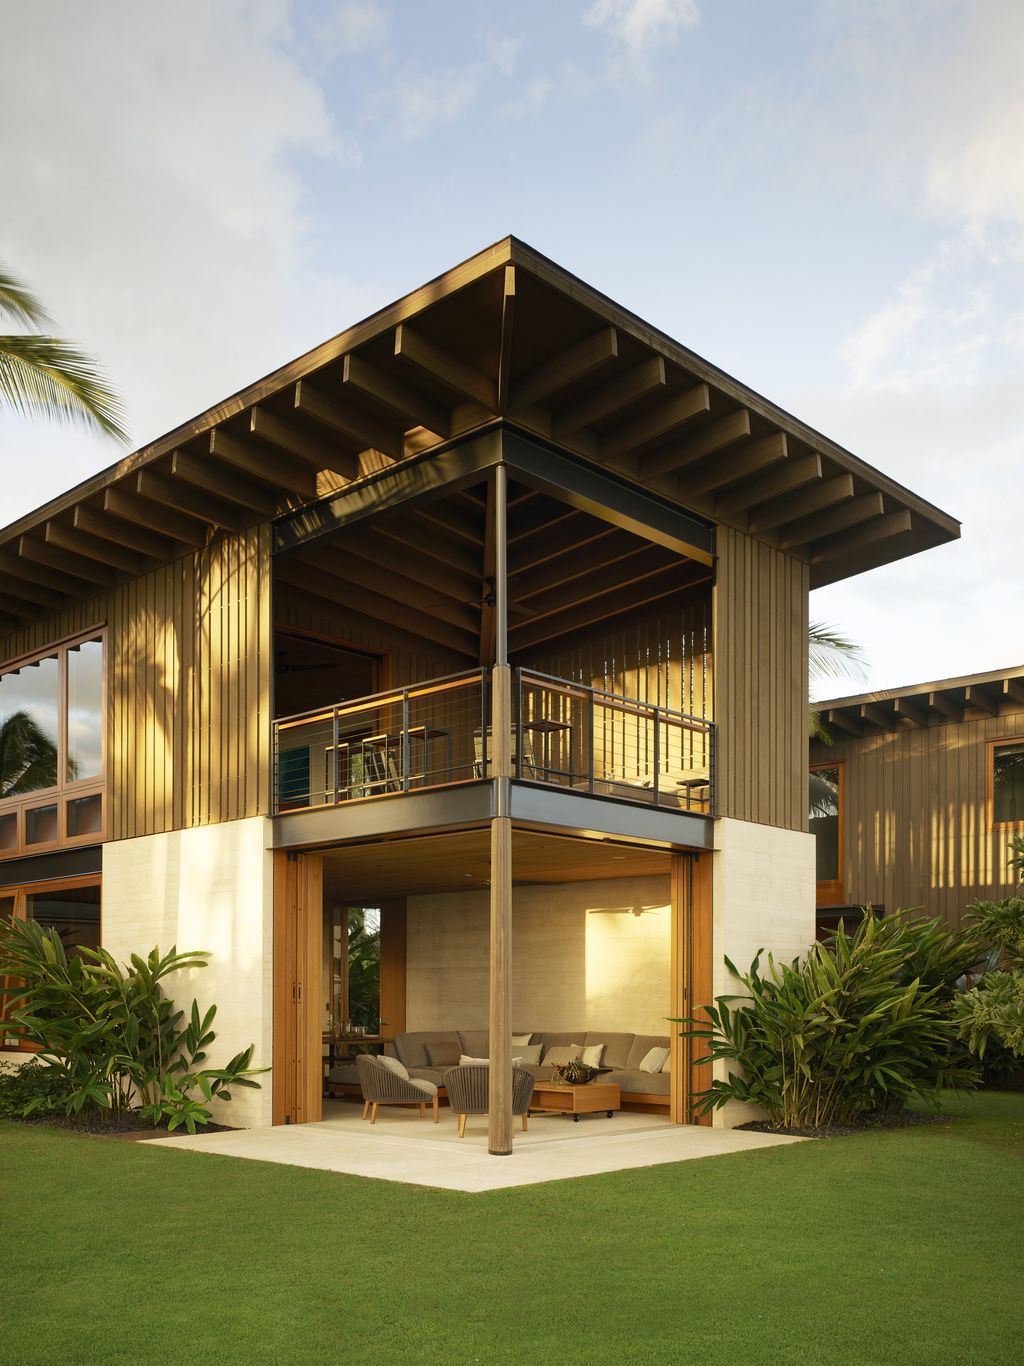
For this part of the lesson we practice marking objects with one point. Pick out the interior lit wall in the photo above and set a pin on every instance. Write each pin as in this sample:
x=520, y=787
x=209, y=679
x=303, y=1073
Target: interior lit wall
x=581, y=957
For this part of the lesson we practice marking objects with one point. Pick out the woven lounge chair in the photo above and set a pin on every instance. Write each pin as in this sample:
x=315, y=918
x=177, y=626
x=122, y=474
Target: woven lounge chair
x=381, y=1086
x=468, y=1087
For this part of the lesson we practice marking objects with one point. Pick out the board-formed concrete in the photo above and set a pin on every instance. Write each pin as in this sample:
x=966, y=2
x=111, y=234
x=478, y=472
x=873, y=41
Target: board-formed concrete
x=206, y=888
x=763, y=891
x=402, y=1147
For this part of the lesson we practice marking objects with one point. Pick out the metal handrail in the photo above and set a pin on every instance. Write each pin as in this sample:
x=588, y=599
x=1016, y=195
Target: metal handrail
x=616, y=700
x=378, y=699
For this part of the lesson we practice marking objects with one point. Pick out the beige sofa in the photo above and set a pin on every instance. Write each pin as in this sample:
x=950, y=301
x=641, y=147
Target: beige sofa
x=623, y=1053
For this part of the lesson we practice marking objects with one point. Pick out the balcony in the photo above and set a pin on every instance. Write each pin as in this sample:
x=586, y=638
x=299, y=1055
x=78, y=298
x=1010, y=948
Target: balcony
x=437, y=734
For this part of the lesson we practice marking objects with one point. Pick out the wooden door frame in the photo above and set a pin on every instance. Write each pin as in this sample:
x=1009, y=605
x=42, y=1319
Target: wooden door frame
x=298, y=981
x=691, y=982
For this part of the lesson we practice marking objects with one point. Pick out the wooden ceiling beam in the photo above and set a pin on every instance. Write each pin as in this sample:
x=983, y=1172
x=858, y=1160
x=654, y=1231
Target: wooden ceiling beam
x=129, y=507
x=390, y=392
x=567, y=367
x=655, y=422
x=9, y=623
x=542, y=546
x=29, y=592
x=600, y=402
x=714, y=437
x=1013, y=690
x=574, y=563
x=349, y=618
x=946, y=706
x=793, y=474
x=674, y=579
x=453, y=521
x=93, y=548
x=851, y=542
x=277, y=470
x=646, y=563
x=463, y=380
x=718, y=471
x=36, y=572
x=539, y=516
x=181, y=497
x=396, y=587
x=222, y=482
x=408, y=536
x=440, y=578
x=376, y=605
x=873, y=715
x=842, y=720
x=137, y=538
x=806, y=501
x=359, y=428
x=56, y=557
x=981, y=699
x=303, y=445
x=830, y=520
x=906, y=710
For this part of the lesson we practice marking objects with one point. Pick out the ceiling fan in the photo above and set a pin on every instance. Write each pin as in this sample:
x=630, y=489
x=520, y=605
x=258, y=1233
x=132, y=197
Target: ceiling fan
x=637, y=911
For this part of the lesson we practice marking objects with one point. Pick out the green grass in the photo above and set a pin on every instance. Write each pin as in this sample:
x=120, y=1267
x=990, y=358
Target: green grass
x=905, y=1246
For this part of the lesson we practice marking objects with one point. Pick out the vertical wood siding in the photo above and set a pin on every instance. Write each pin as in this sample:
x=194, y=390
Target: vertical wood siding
x=915, y=816
x=760, y=648
x=188, y=686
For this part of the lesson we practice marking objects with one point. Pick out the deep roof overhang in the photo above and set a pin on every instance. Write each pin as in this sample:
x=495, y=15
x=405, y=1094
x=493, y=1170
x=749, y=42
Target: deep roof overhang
x=507, y=335
x=970, y=697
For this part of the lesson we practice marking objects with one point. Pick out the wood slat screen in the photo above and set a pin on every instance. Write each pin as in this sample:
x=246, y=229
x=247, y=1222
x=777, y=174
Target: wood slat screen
x=188, y=706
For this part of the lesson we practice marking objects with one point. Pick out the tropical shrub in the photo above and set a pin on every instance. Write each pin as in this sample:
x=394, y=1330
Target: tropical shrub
x=862, y=1023
x=32, y=1088
x=111, y=1030
x=990, y=1015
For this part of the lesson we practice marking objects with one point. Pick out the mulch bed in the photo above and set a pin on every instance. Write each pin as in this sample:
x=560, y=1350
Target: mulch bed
x=874, y=1120
x=129, y=1126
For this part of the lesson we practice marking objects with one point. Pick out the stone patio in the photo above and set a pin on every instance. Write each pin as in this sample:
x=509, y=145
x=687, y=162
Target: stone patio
x=402, y=1147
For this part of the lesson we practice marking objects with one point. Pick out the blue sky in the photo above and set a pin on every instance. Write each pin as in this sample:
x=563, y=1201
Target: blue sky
x=824, y=198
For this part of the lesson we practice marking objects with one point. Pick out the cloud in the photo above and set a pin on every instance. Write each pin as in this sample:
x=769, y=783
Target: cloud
x=349, y=28
x=421, y=101
x=532, y=99
x=152, y=199
x=638, y=29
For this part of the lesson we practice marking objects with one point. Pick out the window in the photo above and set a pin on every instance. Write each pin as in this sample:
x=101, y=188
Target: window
x=51, y=747
x=825, y=793
x=1006, y=782
x=71, y=906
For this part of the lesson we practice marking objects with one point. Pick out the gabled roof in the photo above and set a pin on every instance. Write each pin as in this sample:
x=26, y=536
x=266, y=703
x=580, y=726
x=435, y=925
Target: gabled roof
x=971, y=697
x=506, y=336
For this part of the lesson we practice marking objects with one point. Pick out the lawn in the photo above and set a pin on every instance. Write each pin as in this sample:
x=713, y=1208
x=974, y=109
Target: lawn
x=904, y=1246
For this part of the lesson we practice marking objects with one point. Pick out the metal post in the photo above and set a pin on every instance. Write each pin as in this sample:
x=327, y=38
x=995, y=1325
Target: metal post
x=405, y=740
x=590, y=738
x=336, y=759
x=499, y=1111
x=657, y=754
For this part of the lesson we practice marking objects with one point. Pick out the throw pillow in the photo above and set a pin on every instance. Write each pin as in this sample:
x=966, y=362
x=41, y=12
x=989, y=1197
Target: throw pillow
x=653, y=1060
x=530, y=1055
x=666, y=1066
x=520, y=1040
x=592, y=1054
x=466, y=1061
x=559, y=1054
x=393, y=1065
x=442, y=1054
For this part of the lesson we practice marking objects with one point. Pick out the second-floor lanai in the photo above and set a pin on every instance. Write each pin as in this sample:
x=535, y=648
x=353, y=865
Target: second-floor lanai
x=608, y=430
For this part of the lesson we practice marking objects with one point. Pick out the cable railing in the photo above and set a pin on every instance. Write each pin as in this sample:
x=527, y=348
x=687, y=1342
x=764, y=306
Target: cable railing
x=438, y=734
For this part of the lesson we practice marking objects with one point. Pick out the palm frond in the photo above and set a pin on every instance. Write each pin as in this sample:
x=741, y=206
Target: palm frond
x=20, y=304
x=831, y=655
x=43, y=375
x=817, y=728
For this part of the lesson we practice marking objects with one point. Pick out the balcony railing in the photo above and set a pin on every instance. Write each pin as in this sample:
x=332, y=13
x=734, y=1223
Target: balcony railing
x=438, y=734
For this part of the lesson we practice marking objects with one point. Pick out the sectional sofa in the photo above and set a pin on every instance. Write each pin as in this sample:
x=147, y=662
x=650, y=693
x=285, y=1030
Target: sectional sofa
x=428, y=1055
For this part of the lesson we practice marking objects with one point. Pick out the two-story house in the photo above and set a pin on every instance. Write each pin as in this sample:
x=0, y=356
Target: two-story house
x=482, y=629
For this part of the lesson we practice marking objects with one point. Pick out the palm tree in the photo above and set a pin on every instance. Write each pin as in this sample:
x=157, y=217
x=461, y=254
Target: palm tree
x=43, y=375
x=829, y=655
x=28, y=756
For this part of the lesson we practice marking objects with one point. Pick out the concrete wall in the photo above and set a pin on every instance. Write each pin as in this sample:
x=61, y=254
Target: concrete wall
x=763, y=891
x=208, y=888
x=574, y=964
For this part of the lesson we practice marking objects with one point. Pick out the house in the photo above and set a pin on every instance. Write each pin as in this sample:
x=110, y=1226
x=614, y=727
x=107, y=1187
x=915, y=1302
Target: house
x=484, y=624
x=916, y=802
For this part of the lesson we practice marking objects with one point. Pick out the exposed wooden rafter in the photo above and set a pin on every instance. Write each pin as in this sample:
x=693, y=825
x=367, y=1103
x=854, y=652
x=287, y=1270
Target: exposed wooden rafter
x=655, y=422
x=224, y=484
x=94, y=549
x=181, y=497
x=567, y=367
x=719, y=471
x=713, y=437
x=794, y=473
x=825, y=493
x=362, y=430
x=137, y=538
x=837, y=518
x=608, y=398
x=129, y=507
x=274, y=468
x=302, y=444
x=390, y=392
x=463, y=380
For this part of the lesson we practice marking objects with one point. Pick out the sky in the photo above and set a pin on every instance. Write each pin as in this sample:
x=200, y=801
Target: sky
x=825, y=198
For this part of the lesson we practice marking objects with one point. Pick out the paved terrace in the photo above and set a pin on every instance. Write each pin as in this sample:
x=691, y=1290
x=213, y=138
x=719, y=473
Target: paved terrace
x=402, y=1147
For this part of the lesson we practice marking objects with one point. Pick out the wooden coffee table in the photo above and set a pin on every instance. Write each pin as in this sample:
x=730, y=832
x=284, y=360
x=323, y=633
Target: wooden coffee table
x=559, y=1098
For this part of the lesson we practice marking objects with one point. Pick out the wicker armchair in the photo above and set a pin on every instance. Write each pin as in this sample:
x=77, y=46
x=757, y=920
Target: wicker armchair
x=468, y=1087
x=381, y=1086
